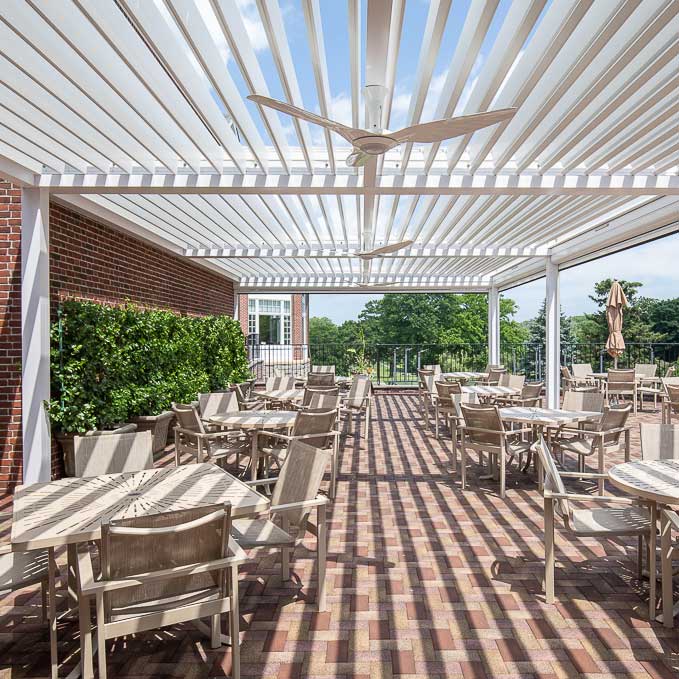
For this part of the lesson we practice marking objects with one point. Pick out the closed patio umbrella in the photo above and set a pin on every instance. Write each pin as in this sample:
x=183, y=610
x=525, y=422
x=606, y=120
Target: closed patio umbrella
x=615, y=344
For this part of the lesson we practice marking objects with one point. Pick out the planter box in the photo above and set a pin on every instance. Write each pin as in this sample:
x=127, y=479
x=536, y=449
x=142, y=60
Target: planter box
x=159, y=425
x=67, y=447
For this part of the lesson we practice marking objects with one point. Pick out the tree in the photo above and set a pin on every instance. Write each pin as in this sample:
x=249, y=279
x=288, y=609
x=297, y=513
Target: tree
x=322, y=331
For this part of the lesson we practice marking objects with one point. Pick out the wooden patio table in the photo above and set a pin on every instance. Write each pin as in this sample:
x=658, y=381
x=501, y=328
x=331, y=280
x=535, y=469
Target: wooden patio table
x=656, y=482
x=482, y=390
x=71, y=511
x=279, y=394
x=464, y=375
x=255, y=421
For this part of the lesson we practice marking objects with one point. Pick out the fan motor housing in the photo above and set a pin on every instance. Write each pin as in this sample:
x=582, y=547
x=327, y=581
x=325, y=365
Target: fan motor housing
x=375, y=144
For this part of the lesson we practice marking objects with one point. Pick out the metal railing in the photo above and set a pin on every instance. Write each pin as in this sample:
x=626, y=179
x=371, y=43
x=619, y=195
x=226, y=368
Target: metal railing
x=398, y=364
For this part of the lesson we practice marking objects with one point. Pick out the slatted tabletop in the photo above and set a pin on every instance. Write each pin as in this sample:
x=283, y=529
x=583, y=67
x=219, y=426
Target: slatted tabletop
x=280, y=394
x=655, y=480
x=464, y=375
x=481, y=390
x=257, y=419
x=72, y=510
x=547, y=417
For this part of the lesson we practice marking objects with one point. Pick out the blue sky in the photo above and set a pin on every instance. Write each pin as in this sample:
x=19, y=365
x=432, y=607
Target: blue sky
x=654, y=264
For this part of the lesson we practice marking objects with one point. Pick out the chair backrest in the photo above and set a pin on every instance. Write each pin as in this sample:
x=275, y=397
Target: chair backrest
x=587, y=401
x=670, y=371
x=300, y=478
x=146, y=544
x=315, y=422
x=613, y=418
x=553, y=481
x=361, y=388
x=435, y=368
x=445, y=392
x=495, y=374
x=659, y=441
x=493, y=366
x=621, y=379
x=323, y=369
x=315, y=379
x=672, y=391
x=113, y=454
x=188, y=417
x=646, y=369
x=566, y=373
x=243, y=390
x=284, y=383
x=421, y=374
x=582, y=369
x=485, y=417
x=217, y=402
x=512, y=381
x=532, y=390
x=321, y=397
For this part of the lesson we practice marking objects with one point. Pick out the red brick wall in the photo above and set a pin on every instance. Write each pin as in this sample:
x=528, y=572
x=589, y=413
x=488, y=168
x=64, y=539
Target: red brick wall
x=88, y=260
x=91, y=261
x=243, y=313
x=10, y=334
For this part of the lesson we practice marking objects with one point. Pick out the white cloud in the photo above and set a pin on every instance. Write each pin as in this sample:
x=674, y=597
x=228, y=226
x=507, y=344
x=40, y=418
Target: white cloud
x=253, y=25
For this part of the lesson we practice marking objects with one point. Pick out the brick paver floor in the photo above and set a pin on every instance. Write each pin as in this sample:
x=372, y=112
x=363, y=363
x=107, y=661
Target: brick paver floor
x=423, y=581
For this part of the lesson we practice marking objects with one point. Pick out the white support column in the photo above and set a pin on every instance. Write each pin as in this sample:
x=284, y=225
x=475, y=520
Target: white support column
x=35, y=335
x=494, y=325
x=552, y=335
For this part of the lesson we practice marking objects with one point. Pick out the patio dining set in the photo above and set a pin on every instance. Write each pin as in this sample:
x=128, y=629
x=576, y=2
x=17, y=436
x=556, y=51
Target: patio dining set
x=500, y=417
x=149, y=546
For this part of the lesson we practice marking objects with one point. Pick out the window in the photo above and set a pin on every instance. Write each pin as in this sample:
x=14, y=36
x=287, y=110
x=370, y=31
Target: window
x=286, y=328
x=252, y=324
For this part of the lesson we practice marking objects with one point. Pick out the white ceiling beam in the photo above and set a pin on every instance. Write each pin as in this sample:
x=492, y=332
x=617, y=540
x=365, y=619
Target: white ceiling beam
x=508, y=183
x=16, y=173
x=355, y=42
x=329, y=252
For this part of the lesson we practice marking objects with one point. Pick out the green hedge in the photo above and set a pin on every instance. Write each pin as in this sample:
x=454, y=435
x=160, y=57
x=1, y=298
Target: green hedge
x=112, y=363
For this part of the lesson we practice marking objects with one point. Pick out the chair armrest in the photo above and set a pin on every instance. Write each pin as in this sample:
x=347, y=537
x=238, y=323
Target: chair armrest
x=261, y=482
x=5, y=549
x=583, y=475
x=318, y=500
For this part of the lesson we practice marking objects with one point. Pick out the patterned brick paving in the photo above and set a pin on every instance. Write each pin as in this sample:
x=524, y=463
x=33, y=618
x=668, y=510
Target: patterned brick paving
x=423, y=581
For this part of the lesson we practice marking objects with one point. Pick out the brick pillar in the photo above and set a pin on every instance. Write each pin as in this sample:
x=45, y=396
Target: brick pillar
x=243, y=313
x=10, y=329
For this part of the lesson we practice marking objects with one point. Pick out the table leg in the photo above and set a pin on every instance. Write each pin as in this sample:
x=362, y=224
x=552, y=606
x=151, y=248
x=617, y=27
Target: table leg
x=652, y=574
x=254, y=455
x=52, y=615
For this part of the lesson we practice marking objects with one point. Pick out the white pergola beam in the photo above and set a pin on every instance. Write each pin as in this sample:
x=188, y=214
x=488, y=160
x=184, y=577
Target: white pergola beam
x=17, y=174
x=494, y=325
x=552, y=335
x=622, y=184
x=431, y=251
x=35, y=335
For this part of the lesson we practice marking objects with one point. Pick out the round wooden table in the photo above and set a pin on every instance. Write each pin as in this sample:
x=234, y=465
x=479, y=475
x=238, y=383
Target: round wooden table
x=256, y=420
x=657, y=483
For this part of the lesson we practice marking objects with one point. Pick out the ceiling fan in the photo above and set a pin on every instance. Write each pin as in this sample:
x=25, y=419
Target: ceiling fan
x=384, y=250
x=377, y=141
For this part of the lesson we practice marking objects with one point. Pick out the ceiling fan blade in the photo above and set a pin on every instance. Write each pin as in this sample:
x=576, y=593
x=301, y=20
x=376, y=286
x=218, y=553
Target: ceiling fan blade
x=385, y=250
x=440, y=130
x=349, y=133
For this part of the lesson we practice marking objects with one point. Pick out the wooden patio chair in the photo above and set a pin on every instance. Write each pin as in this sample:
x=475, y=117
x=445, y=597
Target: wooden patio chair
x=622, y=518
x=493, y=379
x=434, y=368
x=530, y=396
x=206, y=443
x=647, y=384
x=670, y=399
x=358, y=403
x=621, y=383
x=163, y=569
x=444, y=403
x=483, y=431
x=425, y=389
x=659, y=441
x=512, y=381
x=602, y=438
x=313, y=427
x=283, y=383
x=294, y=496
x=246, y=400
x=321, y=397
x=98, y=455
x=23, y=569
x=571, y=383
x=669, y=552
x=320, y=379
x=493, y=366
x=583, y=372
x=217, y=403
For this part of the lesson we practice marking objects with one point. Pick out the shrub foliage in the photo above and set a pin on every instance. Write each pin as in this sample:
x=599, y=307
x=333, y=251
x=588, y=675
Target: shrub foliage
x=112, y=363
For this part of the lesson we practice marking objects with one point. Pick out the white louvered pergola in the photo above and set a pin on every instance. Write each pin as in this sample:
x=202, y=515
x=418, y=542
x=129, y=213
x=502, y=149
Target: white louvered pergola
x=134, y=111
